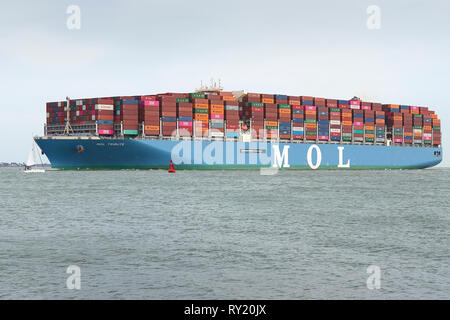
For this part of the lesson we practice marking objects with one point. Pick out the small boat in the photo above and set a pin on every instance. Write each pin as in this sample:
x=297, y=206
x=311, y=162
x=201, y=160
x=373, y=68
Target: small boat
x=30, y=165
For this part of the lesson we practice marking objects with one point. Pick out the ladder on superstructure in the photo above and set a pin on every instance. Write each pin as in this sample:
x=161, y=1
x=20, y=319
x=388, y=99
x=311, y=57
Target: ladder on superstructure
x=68, y=129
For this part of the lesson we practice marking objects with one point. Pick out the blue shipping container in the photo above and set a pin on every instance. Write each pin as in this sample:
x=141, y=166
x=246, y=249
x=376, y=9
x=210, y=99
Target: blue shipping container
x=106, y=122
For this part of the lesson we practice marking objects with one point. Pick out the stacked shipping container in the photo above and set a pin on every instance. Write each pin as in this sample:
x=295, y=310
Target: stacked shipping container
x=217, y=114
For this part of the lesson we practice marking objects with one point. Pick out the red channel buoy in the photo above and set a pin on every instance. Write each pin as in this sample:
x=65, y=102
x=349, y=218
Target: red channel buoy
x=171, y=167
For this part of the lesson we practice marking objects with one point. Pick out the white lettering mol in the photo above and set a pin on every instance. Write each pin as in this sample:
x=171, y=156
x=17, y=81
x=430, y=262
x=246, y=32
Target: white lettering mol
x=309, y=157
x=280, y=159
x=341, y=159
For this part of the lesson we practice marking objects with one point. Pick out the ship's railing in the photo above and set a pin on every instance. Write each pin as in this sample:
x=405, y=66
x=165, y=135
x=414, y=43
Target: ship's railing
x=91, y=130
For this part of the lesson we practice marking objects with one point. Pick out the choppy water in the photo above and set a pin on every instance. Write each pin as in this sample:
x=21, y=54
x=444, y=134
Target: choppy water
x=225, y=234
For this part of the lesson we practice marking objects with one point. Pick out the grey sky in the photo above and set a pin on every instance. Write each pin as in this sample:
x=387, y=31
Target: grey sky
x=319, y=48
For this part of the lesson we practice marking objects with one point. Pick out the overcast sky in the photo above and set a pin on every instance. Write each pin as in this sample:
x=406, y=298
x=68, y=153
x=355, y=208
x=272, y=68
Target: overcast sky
x=318, y=48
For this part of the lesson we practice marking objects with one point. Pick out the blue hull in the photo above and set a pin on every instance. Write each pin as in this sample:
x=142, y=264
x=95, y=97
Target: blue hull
x=146, y=154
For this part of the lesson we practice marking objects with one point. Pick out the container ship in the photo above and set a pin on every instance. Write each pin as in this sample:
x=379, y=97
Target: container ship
x=215, y=129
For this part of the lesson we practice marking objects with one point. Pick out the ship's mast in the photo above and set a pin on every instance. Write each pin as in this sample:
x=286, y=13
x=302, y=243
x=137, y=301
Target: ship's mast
x=68, y=127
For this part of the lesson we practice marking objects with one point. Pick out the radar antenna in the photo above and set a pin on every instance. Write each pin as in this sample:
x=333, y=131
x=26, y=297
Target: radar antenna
x=214, y=87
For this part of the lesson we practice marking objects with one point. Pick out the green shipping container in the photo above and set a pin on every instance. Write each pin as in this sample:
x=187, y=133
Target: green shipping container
x=255, y=104
x=347, y=138
x=284, y=106
x=310, y=120
x=130, y=132
x=369, y=139
x=417, y=127
x=183, y=100
x=427, y=141
x=197, y=95
x=370, y=132
x=334, y=110
x=201, y=110
x=271, y=127
x=358, y=131
x=311, y=133
x=417, y=116
x=436, y=128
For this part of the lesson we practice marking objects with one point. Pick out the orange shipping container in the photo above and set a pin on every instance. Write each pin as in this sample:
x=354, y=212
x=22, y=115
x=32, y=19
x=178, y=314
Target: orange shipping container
x=284, y=111
x=346, y=123
x=152, y=128
x=267, y=100
x=228, y=98
x=201, y=116
x=272, y=123
x=310, y=113
x=370, y=128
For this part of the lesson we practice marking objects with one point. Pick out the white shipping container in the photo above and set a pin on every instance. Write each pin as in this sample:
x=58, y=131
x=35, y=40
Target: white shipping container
x=354, y=107
x=78, y=113
x=335, y=122
x=59, y=104
x=48, y=115
x=297, y=128
x=216, y=134
x=427, y=135
x=79, y=102
x=93, y=117
x=84, y=107
x=335, y=130
x=104, y=107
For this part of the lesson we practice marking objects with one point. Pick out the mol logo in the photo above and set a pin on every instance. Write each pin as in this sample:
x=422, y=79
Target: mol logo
x=281, y=159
